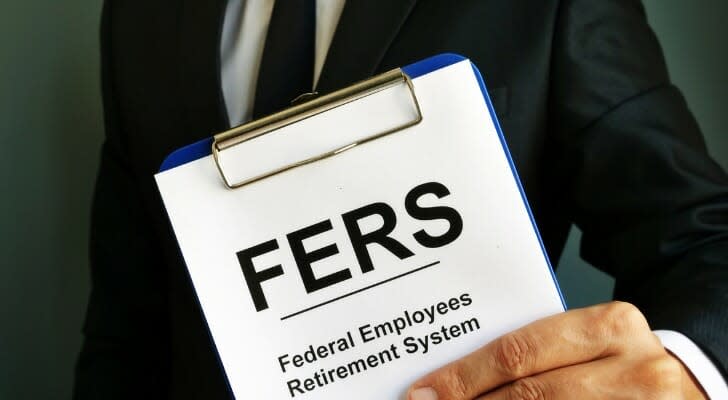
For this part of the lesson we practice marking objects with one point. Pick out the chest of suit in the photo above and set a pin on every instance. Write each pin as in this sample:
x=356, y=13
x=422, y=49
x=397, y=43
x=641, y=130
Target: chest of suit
x=166, y=85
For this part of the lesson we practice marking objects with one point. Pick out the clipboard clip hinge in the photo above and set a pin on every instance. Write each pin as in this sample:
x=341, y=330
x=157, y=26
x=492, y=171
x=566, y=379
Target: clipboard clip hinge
x=307, y=109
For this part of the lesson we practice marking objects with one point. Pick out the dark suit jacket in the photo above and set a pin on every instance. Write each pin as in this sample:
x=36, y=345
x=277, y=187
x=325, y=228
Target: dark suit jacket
x=599, y=136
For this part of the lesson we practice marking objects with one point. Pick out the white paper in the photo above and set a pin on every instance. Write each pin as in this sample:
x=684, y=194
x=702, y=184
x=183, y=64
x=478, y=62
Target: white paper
x=496, y=264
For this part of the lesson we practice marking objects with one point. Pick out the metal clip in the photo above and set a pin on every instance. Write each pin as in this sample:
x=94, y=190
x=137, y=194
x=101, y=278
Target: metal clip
x=308, y=109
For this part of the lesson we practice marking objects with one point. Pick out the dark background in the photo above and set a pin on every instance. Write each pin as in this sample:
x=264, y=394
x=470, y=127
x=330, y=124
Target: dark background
x=51, y=130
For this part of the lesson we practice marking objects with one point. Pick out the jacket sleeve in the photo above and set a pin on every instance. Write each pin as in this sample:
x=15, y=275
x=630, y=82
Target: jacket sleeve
x=652, y=204
x=125, y=351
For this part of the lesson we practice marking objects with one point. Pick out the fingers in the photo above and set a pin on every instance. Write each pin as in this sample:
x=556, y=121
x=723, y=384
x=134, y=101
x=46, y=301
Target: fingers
x=575, y=337
x=610, y=378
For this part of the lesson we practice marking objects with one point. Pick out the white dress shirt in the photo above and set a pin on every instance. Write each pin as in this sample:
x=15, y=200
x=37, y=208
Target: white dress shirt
x=241, y=50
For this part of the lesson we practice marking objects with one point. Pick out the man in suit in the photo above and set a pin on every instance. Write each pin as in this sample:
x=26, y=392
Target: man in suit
x=599, y=136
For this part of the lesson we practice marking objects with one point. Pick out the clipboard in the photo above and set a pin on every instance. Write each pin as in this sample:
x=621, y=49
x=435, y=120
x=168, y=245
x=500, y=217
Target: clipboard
x=325, y=269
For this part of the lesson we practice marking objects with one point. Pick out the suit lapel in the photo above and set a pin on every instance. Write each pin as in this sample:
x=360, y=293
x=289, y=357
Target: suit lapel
x=364, y=33
x=200, y=77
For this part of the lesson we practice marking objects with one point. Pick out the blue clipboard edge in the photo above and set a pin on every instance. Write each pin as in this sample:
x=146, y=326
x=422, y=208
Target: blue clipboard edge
x=203, y=147
x=502, y=138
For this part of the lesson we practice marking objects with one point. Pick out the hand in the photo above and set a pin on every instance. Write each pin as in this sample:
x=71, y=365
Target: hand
x=601, y=352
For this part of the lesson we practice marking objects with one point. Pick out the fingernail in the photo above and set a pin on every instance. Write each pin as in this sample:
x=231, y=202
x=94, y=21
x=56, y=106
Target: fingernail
x=423, y=394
